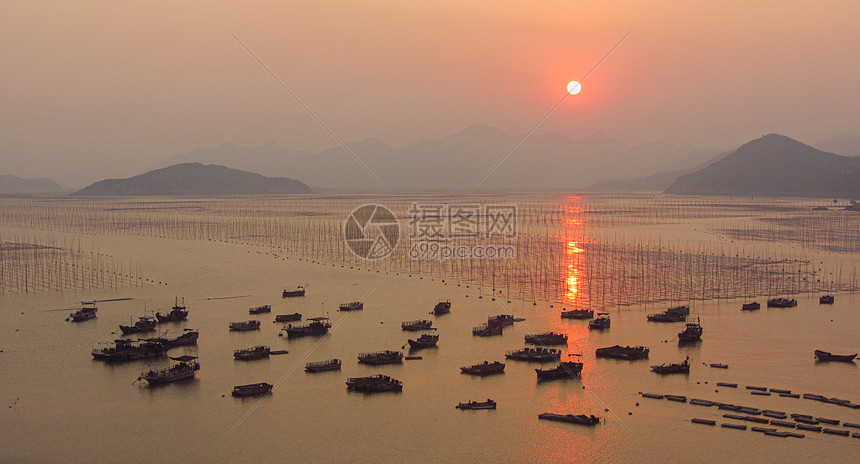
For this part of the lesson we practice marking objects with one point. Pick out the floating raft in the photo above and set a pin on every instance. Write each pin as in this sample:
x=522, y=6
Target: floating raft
x=789, y=395
x=726, y=384
x=729, y=407
x=678, y=398
x=759, y=420
x=733, y=416
x=753, y=387
x=733, y=426
x=762, y=429
x=774, y=414
x=805, y=420
x=851, y=424
x=279, y=352
x=653, y=395
x=703, y=421
x=699, y=402
x=841, y=433
x=827, y=421
x=809, y=428
x=779, y=390
x=776, y=434
x=412, y=358
x=855, y=435
x=780, y=423
x=746, y=410
x=760, y=393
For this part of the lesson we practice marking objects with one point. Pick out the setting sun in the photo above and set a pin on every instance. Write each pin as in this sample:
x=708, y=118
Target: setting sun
x=573, y=87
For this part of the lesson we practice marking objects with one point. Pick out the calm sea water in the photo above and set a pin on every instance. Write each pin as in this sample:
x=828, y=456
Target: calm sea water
x=60, y=405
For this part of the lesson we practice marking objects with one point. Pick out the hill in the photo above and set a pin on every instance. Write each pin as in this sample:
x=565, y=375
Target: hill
x=194, y=179
x=775, y=165
x=10, y=184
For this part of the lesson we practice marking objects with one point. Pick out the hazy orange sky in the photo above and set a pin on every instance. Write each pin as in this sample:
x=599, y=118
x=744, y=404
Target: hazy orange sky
x=108, y=89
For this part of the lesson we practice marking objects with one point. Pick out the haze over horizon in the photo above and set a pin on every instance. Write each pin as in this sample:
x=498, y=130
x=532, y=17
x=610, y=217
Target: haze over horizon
x=96, y=90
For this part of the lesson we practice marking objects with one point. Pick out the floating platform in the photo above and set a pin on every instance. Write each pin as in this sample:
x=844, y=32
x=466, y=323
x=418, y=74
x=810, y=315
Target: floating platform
x=779, y=390
x=762, y=429
x=753, y=387
x=726, y=384
x=780, y=423
x=652, y=395
x=760, y=393
x=851, y=424
x=808, y=428
x=699, y=402
x=703, y=421
x=678, y=398
x=789, y=395
x=841, y=433
x=733, y=426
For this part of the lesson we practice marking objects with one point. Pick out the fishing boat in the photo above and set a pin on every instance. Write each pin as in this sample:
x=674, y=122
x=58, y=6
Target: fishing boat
x=252, y=389
x=188, y=338
x=128, y=350
x=442, y=307
x=260, y=309
x=486, y=330
x=315, y=326
x=256, y=352
x=416, y=325
x=601, y=322
x=380, y=357
x=484, y=368
x=489, y=404
x=578, y=314
x=754, y=306
x=244, y=326
x=143, y=324
x=299, y=291
x=288, y=317
x=623, y=352
x=424, y=341
x=177, y=313
x=581, y=419
x=666, y=317
x=676, y=368
x=564, y=370
x=374, y=383
x=321, y=366
x=353, y=306
x=826, y=299
x=692, y=333
x=185, y=367
x=534, y=354
x=88, y=311
x=827, y=356
x=502, y=320
x=682, y=310
x=781, y=303
x=547, y=338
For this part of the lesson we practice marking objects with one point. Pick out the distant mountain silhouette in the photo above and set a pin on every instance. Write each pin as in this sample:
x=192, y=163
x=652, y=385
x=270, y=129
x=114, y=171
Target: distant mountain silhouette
x=654, y=183
x=775, y=165
x=845, y=145
x=459, y=161
x=10, y=184
x=194, y=179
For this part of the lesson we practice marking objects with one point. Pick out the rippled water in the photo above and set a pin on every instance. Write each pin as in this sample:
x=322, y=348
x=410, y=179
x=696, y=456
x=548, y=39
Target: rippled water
x=63, y=406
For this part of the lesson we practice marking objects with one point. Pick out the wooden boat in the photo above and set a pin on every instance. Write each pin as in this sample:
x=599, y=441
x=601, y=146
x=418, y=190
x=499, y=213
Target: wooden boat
x=548, y=338
x=755, y=305
x=442, y=307
x=321, y=366
x=484, y=368
x=720, y=366
x=177, y=313
x=623, y=352
x=827, y=356
x=188, y=338
x=299, y=291
x=489, y=404
x=826, y=299
x=564, y=370
x=683, y=310
x=666, y=317
x=143, y=324
x=424, y=341
x=244, y=326
x=534, y=354
x=186, y=367
x=260, y=309
x=485, y=330
x=315, y=326
x=380, y=357
x=88, y=311
x=601, y=322
x=502, y=320
x=581, y=419
x=252, y=389
x=374, y=383
x=128, y=350
x=692, y=333
x=577, y=314
x=676, y=368
x=353, y=306
x=288, y=317
x=416, y=325
x=255, y=352
x=781, y=303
